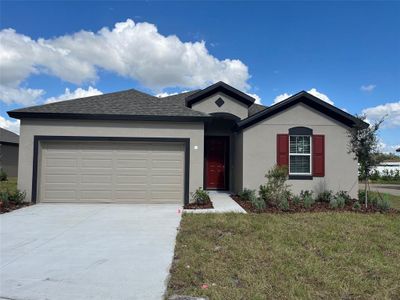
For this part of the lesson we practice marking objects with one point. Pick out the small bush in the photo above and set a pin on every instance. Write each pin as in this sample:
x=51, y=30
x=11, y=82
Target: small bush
x=337, y=202
x=283, y=202
x=258, y=203
x=3, y=175
x=383, y=204
x=356, y=205
x=200, y=196
x=325, y=196
x=247, y=194
x=308, y=201
x=345, y=195
x=4, y=197
x=296, y=200
x=306, y=193
x=17, y=197
x=276, y=186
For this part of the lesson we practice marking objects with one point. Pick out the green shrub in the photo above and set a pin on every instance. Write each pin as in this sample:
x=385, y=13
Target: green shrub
x=296, y=200
x=17, y=197
x=283, y=203
x=325, y=196
x=4, y=197
x=276, y=187
x=383, y=204
x=308, y=201
x=247, y=194
x=3, y=175
x=200, y=196
x=344, y=195
x=306, y=193
x=356, y=205
x=258, y=203
x=337, y=202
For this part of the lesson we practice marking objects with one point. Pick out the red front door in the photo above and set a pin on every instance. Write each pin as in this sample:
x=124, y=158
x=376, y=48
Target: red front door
x=216, y=149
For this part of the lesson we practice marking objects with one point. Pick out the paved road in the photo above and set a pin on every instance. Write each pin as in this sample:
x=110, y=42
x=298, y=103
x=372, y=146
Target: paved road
x=393, y=189
x=87, y=251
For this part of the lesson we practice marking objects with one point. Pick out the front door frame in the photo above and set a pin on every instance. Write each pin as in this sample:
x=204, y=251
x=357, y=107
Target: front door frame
x=226, y=138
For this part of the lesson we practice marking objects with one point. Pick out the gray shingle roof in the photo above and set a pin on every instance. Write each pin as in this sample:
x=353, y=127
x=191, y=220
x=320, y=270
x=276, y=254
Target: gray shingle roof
x=7, y=136
x=129, y=102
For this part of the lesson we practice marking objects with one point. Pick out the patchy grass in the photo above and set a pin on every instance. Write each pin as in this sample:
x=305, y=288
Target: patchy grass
x=394, y=200
x=286, y=256
x=10, y=185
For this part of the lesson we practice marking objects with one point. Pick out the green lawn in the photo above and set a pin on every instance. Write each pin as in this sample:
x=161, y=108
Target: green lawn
x=394, y=200
x=11, y=184
x=286, y=256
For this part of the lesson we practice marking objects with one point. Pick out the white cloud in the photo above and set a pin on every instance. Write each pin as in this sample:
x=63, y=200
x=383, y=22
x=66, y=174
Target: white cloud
x=78, y=93
x=10, y=95
x=9, y=125
x=387, y=148
x=281, y=97
x=390, y=111
x=312, y=91
x=368, y=88
x=255, y=96
x=133, y=50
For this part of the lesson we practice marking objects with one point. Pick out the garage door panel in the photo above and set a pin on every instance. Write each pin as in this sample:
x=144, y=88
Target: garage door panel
x=62, y=178
x=125, y=172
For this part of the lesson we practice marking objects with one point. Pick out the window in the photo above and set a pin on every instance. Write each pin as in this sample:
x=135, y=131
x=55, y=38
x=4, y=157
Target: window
x=300, y=155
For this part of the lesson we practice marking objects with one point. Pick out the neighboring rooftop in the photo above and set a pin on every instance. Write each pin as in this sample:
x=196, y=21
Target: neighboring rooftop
x=7, y=136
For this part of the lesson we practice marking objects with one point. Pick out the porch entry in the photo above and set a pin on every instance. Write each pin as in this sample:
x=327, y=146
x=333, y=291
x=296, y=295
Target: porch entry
x=216, y=162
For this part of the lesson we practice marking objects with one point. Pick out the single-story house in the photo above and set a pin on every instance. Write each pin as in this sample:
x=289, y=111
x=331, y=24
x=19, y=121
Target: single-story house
x=9, y=152
x=133, y=147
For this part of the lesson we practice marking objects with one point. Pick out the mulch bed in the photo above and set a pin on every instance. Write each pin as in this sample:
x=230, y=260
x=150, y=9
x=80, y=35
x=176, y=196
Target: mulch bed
x=198, y=206
x=12, y=206
x=316, y=207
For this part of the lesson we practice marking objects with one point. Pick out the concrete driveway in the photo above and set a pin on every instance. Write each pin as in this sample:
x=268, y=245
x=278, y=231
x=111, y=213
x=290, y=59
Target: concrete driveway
x=87, y=251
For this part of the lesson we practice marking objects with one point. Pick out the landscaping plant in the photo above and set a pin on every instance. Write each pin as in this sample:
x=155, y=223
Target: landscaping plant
x=247, y=194
x=325, y=196
x=200, y=196
x=364, y=145
x=276, y=190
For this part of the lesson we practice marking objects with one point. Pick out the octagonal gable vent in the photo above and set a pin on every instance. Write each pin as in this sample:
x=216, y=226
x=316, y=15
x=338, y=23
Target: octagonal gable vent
x=219, y=102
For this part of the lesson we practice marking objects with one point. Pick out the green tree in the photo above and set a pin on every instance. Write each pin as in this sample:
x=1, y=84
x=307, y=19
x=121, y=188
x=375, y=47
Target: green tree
x=363, y=144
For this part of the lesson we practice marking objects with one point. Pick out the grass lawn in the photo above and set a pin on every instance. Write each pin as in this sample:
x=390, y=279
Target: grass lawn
x=11, y=184
x=282, y=256
x=394, y=200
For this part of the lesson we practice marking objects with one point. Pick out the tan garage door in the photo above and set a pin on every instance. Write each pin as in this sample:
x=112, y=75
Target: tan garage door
x=122, y=172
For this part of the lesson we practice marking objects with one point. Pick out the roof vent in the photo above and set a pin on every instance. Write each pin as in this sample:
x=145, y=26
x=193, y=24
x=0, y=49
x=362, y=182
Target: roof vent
x=219, y=102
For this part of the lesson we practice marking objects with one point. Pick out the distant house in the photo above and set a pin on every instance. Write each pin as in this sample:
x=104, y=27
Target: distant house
x=9, y=143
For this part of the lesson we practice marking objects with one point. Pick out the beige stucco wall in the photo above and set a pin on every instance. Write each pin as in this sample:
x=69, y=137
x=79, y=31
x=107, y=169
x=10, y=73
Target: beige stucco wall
x=237, y=177
x=32, y=127
x=231, y=106
x=259, y=151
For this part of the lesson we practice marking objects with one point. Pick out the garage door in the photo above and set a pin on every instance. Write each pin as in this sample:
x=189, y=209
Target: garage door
x=121, y=172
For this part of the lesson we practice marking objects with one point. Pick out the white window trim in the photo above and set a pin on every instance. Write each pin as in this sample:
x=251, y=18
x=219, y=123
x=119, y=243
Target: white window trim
x=301, y=154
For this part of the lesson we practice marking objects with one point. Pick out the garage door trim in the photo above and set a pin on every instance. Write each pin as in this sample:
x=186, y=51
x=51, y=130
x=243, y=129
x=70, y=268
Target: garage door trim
x=41, y=138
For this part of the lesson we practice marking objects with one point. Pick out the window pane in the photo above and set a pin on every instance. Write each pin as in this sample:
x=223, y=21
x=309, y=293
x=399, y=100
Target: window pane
x=299, y=164
x=300, y=144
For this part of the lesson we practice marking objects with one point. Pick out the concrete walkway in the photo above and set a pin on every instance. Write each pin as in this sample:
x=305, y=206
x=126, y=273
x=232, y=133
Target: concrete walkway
x=222, y=203
x=87, y=251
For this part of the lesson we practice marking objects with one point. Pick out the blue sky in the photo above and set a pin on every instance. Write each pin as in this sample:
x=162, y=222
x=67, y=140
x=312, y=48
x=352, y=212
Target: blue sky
x=348, y=53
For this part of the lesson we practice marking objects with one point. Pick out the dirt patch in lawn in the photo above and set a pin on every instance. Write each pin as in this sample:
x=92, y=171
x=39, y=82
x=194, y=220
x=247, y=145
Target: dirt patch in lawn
x=316, y=207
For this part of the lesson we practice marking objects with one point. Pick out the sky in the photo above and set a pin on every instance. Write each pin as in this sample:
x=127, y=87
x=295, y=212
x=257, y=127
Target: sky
x=346, y=53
